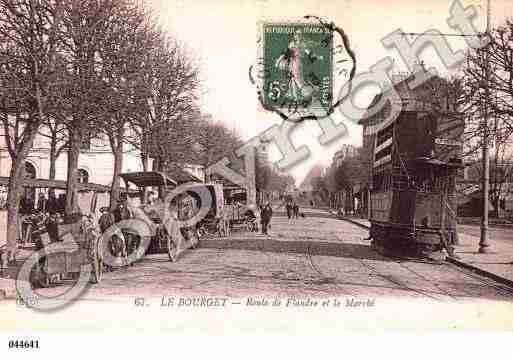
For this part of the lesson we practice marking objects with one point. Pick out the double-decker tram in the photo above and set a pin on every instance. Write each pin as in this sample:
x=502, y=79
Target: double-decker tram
x=415, y=163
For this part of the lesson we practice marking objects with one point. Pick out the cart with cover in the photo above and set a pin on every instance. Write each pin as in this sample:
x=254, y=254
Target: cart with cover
x=215, y=221
x=66, y=249
x=160, y=239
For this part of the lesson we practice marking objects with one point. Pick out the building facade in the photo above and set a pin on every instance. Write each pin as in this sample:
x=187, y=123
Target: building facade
x=95, y=164
x=346, y=151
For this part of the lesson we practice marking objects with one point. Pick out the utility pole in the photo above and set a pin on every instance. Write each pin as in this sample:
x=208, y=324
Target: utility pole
x=484, y=245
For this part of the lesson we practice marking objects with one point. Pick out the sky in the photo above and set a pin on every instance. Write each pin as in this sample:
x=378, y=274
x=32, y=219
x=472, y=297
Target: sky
x=222, y=35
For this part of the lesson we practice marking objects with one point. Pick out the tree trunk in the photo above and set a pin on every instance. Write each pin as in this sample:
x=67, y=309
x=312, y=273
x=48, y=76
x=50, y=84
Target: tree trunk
x=13, y=202
x=72, y=175
x=15, y=187
x=118, y=165
x=53, y=158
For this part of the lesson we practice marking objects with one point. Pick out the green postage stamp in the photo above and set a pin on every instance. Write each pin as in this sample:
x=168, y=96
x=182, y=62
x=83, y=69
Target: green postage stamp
x=298, y=67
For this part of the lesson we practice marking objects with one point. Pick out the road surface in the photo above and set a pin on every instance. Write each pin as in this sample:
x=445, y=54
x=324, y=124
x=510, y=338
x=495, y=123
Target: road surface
x=317, y=256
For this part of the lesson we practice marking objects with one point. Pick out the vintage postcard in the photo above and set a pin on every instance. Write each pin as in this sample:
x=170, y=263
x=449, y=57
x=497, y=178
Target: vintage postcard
x=250, y=167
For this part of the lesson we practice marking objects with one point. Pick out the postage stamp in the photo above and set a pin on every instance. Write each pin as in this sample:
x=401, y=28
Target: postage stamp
x=298, y=67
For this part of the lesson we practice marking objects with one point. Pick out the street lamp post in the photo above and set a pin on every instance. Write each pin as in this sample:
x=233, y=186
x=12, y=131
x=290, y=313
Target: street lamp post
x=484, y=245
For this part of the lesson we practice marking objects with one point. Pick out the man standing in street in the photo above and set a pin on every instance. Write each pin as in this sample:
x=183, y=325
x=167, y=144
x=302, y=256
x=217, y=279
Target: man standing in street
x=289, y=209
x=266, y=215
x=295, y=209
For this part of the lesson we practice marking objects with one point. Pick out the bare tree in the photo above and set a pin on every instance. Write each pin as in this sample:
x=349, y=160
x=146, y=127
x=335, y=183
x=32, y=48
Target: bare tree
x=29, y=37
x=86, y=26
x=56, y=133
x=493, y=94
x=122, y=55
x=217, y=141
x=162, y=125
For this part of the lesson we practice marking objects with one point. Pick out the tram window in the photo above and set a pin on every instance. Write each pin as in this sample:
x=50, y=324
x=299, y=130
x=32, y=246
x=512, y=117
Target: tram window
x=384, y=134
x=383, y=153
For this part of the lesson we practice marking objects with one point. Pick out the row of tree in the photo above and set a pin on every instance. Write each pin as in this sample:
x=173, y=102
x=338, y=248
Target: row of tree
x=97, y=69
x=342, y=177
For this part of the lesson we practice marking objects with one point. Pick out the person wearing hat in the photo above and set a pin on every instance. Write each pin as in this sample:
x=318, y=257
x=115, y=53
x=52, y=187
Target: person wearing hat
x=106, y=219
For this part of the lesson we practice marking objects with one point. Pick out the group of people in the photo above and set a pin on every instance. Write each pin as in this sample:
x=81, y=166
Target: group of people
x=52, y=204
x=120, y=245
x=292, y=209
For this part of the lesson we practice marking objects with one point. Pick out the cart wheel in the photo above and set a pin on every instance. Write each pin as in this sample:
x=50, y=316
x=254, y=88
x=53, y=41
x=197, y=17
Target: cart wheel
x=172, y=249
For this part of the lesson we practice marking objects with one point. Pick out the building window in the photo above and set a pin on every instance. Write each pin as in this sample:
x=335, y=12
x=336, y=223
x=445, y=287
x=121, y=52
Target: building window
x=83, y=176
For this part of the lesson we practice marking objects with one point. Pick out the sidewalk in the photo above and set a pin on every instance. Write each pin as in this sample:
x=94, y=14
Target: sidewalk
x=497, y=265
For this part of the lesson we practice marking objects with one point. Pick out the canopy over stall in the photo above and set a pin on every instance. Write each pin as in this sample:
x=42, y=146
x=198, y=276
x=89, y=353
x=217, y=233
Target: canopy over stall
x=148, y=179
x=58, y=184
x=154, y=178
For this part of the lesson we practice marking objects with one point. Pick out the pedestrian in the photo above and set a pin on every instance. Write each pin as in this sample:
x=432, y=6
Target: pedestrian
x=122, y=211
x=42, y=203
x=296, y=210
x=289, y=209
x=106, y=219
x=52, y=205
x=266, y=213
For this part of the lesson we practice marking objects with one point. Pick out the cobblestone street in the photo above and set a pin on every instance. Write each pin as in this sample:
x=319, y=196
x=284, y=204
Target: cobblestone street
x=316, y=256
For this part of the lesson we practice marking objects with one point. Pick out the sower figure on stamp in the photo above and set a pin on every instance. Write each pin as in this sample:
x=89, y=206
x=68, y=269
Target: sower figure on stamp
x=266, y=215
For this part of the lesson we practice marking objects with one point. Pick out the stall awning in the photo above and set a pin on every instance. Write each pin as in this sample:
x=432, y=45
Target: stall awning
x=148, y=179
x=58, y=184
x=154, y=178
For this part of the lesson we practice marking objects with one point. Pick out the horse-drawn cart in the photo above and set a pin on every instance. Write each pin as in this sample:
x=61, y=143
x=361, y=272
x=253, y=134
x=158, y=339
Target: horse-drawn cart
x=68, y=249
x=162, y=237
x=64, y=248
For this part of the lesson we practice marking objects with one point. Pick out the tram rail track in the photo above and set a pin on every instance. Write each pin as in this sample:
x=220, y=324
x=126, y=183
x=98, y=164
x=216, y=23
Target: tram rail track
x=376, y=272
x=502, y=289
x=316, y=269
